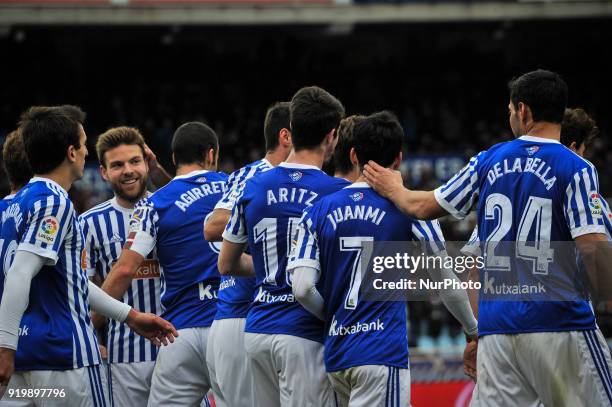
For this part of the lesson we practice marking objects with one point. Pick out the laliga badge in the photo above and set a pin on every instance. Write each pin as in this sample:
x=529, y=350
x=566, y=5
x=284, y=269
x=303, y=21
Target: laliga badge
x=47, y=232
x=595, y=203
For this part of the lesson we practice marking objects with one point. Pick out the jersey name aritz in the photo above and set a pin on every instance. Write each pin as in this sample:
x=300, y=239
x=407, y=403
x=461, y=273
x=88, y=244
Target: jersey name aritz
x=330, y=237
x=105, y=229
x=55, y=331
x=236, y=293
x=529, y=190
x=171, y=220
x=266, y=216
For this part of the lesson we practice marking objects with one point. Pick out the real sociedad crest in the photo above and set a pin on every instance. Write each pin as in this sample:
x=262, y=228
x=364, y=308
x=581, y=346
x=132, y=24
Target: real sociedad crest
x=357, y=196
x=532, y=150
x=295, y=176
x=201, y=179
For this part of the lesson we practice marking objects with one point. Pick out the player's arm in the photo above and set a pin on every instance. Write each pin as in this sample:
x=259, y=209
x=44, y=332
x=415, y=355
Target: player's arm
x=596, y=254
x=583, y=213
x=159, y=176
x=215, y=224
x=150, y=326
x=455, y=300
x=304, y=266
x=15, y=299
x=389, y=183
x=233, y=261
x=472, y=250
x=304, y=286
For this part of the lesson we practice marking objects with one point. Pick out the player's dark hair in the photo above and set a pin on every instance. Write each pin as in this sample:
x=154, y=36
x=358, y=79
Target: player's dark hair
x=47, y=133
x=192, y=141
x=342, y=159
x=314, y=113
x=277, y=118
x=578, y=126
x=115, y=137
x=15, y=160
x=545, y=93
x=378, y=137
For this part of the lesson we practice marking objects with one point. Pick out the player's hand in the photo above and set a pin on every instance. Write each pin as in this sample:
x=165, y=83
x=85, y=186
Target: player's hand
x=7, y=366
x=156, y=329
x=469, y=358
x=150, y=157
x=103, y=352
x=385, y=181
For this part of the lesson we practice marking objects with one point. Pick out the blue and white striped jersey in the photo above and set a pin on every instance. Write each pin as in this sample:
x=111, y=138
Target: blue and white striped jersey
x=105, y=229
x=55, y=332
x=530, y=190
x=236, y=293
x=171, y=220
x=266, y=216
x=330, y=235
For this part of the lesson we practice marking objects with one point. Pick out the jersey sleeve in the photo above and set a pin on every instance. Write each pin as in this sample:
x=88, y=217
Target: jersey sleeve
x=429, y=234
x=144, y=224
x=583, y=207
x=304, y=244
x=472, y=247
x=90, y=246
x=235, y=184
x=458, y=194
x=49, y=221
x=236, y=231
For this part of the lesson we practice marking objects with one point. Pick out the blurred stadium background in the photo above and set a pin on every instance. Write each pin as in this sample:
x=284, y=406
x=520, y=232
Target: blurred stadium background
x=441, y=66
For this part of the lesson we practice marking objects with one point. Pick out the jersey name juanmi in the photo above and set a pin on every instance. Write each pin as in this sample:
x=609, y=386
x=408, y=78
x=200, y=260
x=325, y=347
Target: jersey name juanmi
x=105, y=229
x=266, y=216
x=55, y=332
x=529, y=190
x=171, y=221
x=330, y=237
x=236, y=293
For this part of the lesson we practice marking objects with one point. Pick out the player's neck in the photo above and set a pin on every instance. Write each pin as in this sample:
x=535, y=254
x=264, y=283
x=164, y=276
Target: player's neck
x=187, y=168
x=276, y=157
x=125, y=203
x=545, y=130
x=309, y=157
x=61, y=176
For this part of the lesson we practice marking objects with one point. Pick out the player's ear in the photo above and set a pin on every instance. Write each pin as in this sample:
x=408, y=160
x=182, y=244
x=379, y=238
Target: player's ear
x=173, y=160
x=71, y=154
x=284, y=138
x=353, y=157
x=397, y=162
x=573, y=146
x=104, y=173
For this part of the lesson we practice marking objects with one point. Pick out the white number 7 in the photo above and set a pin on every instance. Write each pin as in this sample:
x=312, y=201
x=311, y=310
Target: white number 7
x=353, y=244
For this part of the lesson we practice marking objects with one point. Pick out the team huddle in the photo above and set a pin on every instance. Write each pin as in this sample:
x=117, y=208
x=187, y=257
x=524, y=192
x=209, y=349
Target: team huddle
x=249, y=287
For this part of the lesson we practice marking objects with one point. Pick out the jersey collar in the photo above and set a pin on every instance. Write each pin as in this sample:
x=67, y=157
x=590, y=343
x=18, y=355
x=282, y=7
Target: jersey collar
x=297, y=166
x=538, y=139
x=122, y=209
x=358, y=185
x=49, y=180
x=191, y=174
x=8, y=197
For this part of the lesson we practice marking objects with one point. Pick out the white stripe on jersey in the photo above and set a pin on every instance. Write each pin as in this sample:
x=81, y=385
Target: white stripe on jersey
x=106, y=227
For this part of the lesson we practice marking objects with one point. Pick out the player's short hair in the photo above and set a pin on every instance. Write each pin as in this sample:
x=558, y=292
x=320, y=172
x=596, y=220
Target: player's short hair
x=278, y=117
x=314, y=113
x=15, y=160
x=117, y=136
x=378, y=137
x=545, y=93
x=192, y=141
x=578, y=126
x=47, y=133
x=342, y=159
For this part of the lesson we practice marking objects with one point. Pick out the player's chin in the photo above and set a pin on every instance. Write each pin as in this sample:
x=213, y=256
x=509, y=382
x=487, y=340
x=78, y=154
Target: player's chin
x=132, y=192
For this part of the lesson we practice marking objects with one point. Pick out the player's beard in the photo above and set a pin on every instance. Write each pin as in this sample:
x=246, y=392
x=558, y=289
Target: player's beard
x=127, y=193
